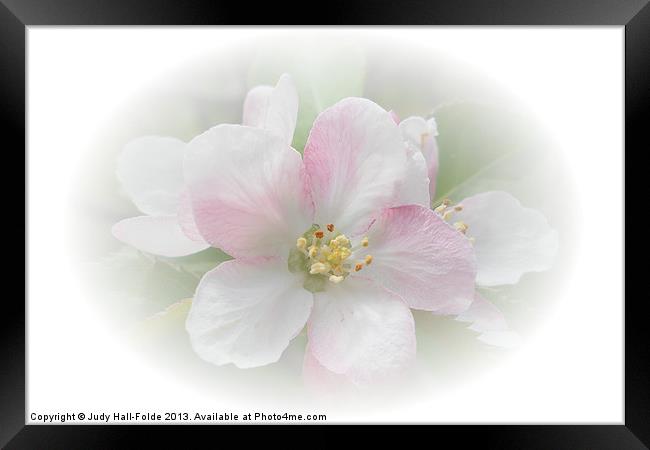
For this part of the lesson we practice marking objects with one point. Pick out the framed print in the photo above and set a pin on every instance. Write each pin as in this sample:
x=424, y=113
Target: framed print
x=418, y=223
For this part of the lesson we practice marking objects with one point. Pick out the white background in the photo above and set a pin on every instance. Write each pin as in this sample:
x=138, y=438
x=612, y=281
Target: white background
x=571, y=372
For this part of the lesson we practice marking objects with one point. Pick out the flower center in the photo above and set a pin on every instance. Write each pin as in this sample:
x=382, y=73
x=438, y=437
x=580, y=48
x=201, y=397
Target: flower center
x=326, y=255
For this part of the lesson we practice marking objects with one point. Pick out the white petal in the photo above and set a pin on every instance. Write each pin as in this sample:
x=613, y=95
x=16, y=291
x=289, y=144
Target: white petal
x=273, y=109
x=256, y=105
x=361, y=330
x=509, y=239
x=246, y=312
x=319, y=380
x=414, y=188
x=488, y=320
x=150, y=169
x=248, y=195
x=420, y=134
x=503, y=339
x=160, y=235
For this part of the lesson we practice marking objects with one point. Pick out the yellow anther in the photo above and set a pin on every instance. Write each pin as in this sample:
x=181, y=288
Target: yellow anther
x=313, y=251
x=461, y=226
x=447, y=214
x=358, y=267
x=301, y=243
x=446, y=202
x=423, y=138
x=440, y=208
x=368, y=260
x=319, y=234
x=336, y=278
x=364, y=241
x=330, y=227
x=345, y=252
x=458, y=208
x=319, y=267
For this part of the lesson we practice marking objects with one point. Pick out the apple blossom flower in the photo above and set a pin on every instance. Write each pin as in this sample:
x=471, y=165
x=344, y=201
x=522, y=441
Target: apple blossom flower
x=509, y=239
x=150, y=170
x=342, y=240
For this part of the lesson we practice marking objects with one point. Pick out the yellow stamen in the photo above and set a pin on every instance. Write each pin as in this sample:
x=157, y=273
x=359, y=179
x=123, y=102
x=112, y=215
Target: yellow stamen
x=458, y=208
x=440, y=208
x=447, y=214
x=461, y=226
x=358, y=267
x=301, y=243
x=364, y=241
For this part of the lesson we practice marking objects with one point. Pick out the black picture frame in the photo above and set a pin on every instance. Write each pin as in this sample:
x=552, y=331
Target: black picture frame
x=16, y=15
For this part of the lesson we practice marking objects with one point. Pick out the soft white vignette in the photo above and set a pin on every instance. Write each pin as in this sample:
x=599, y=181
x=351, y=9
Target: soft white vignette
x=572, y=78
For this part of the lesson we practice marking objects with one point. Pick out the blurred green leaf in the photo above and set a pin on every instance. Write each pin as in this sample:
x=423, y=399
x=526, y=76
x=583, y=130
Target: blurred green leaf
x=134, y=285
x=482, y=147
x=197, y=264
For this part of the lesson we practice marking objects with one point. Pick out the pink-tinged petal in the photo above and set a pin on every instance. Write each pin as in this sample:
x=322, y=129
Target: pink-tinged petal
x=186, y=218
x=273, y=109
x=509, y=239
x=150, y=170
x=422, y=258
x=421, y=134
x=246, y=312
x=361, y=330
x=247, y=189
x=355, y=159
x=488, y=320
x=483, y=316
x=394, y=116
x=161, y=235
